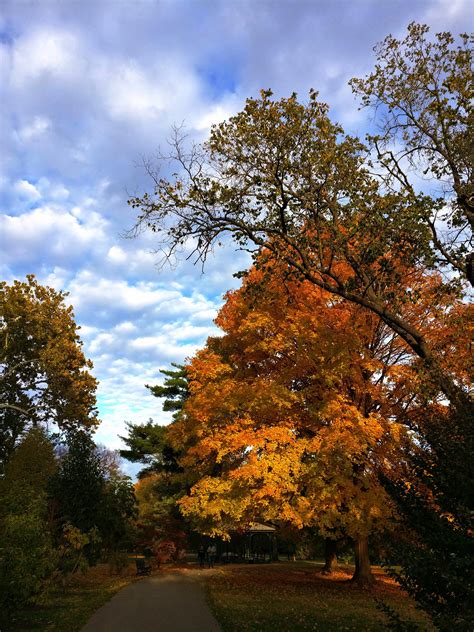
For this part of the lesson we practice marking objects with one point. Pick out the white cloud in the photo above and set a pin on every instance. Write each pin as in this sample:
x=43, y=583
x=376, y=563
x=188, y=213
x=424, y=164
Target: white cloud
x=27, y=190
x=117, y=255
x=50, y=232
x=44, y=51
x=125, y=328
x=442, y=11
x=217, y=113
x=89, y=291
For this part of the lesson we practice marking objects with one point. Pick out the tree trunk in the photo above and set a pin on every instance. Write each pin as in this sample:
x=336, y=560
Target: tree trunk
x=330, y=557
x=362, y=573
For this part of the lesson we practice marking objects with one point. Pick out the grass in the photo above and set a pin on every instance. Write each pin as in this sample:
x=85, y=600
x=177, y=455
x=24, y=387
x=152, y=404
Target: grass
x=278, y=597
x=69, y=609
x=294, y=597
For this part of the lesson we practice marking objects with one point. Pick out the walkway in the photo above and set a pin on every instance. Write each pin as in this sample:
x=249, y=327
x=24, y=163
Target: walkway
x=173, y=602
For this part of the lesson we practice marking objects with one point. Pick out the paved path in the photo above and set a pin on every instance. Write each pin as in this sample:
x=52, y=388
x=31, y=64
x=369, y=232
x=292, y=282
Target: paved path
x=173, y=602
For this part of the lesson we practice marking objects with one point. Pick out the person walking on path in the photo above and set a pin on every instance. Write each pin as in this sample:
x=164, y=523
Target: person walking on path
x=202, y=555
x=211, y=555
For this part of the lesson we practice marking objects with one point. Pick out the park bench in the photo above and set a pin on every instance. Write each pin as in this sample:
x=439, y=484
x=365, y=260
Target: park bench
x=142, y=567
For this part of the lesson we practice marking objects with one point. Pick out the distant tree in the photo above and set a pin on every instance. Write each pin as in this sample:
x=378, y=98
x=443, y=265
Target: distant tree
x=44, y=374
x=93, y=496
x=79, y=484
x=29, y=472
x=118, y=511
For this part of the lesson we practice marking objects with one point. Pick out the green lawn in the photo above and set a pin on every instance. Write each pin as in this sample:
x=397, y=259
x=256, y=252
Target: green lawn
x=294, y=597
x=69, y=609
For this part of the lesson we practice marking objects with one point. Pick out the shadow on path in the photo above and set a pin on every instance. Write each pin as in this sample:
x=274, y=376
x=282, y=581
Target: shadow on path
x=164, y=603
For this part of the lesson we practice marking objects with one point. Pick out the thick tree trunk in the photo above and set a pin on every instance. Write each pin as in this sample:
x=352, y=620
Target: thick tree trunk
x=330, y=557
x=362, y=574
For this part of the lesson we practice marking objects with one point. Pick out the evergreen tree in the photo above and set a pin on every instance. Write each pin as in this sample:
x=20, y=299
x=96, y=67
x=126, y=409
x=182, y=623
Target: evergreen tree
x=147, y=443
x=161, y=484
x=79, y=484
x=175, y=389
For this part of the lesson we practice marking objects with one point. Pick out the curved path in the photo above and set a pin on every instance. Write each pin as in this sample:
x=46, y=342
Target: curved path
x=173, y=602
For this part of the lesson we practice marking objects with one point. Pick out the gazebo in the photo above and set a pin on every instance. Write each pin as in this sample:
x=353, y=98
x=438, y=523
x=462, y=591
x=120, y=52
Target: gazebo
x=257, y=543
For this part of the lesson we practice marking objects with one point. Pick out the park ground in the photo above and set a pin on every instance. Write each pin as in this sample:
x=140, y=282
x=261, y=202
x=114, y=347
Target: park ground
x=285, y=596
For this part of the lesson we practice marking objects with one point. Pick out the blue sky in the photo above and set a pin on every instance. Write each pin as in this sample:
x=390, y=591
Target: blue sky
x=88, y=88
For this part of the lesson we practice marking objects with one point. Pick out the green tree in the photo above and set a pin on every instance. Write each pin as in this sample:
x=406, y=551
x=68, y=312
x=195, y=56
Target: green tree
x=93, y=496
x=147, y=443
x=28, y=557
x=435, y=502
x=78, y=489
x=162, y=482
x=118, y=511
x=175, y=390
x=44, y=374
x=28, y=473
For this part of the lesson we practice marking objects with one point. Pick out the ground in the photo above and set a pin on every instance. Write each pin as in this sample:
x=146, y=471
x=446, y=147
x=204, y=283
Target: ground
x=169, y=602
x=295, y=597
x=286, y=596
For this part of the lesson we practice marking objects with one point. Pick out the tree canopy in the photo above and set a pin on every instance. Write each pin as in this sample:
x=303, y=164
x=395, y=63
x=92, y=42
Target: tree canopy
x=45, y=376
x=283, y=178
x=421, y=95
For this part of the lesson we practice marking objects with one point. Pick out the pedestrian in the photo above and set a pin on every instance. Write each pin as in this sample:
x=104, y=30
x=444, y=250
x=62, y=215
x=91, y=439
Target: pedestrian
x=211, y=555
x=201, y=555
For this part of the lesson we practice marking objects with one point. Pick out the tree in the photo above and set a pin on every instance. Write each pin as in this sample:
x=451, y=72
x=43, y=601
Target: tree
x=118, y=513
x=435, y=503
x=285, y=421
x=421, y=94
x=285, y=182
x=282, y=179
x=79, y=484
x=93, y=497
x=28, y=558
x=44, y=374
x=161, y=482
x=147, y=443
x=175, y=389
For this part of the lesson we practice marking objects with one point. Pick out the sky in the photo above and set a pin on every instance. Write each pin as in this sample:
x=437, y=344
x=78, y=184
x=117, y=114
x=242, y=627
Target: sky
x=89, y=89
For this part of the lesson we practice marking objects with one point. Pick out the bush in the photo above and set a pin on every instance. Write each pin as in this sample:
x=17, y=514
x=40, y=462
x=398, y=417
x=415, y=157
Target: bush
x=27, y=561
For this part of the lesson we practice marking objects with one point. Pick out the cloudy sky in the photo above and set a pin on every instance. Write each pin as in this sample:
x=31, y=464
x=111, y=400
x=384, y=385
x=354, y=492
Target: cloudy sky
x=88, y=88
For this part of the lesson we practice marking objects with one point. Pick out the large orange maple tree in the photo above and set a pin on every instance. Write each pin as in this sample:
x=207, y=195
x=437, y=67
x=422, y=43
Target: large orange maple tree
x=292, y=414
